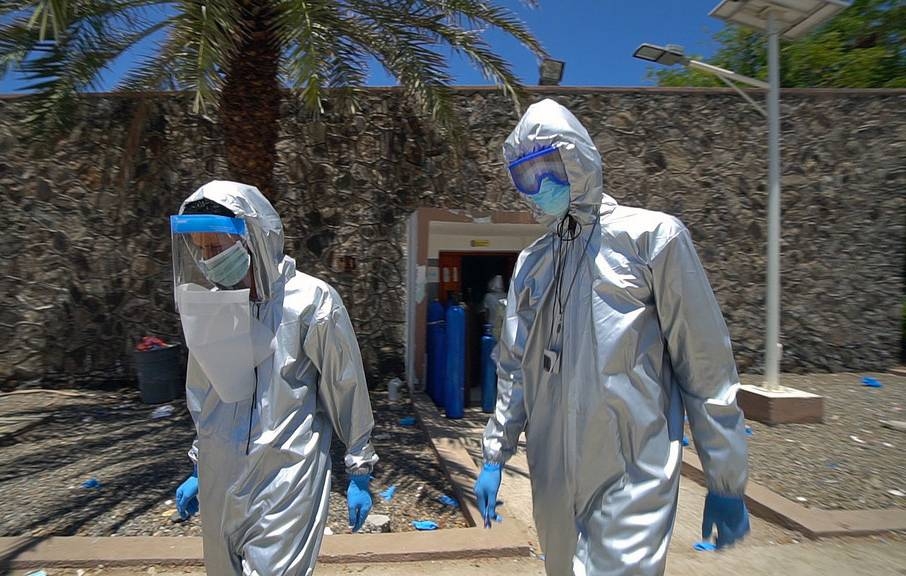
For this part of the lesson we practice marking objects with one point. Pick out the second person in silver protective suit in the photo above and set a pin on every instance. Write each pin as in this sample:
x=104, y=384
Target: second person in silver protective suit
x=273, y=369
x=611, y=330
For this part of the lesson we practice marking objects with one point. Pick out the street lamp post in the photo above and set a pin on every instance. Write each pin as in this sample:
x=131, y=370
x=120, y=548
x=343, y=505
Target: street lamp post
x=772, y=345
x=792, y=19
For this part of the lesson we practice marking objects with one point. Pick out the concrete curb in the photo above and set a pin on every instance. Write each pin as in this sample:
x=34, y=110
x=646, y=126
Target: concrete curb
x=773, y=507
x=87, y=552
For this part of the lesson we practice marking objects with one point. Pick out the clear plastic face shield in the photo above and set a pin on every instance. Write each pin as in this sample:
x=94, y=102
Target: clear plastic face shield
x=211, y=252
x=541, y=177
x=213, y=281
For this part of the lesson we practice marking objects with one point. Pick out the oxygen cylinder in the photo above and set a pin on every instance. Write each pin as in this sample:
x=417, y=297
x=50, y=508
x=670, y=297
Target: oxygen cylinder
x=454, y=397
x=488, y=371
x=436, y=352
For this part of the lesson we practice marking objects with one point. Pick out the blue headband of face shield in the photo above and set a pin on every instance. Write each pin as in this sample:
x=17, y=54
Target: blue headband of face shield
x=530, y=171
x=189, y=223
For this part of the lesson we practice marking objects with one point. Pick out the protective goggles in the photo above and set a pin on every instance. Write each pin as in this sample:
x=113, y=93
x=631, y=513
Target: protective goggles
x=529, y=171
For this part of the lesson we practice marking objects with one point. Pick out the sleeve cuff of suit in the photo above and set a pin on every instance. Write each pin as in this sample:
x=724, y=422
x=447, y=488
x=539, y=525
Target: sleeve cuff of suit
x=361, y=461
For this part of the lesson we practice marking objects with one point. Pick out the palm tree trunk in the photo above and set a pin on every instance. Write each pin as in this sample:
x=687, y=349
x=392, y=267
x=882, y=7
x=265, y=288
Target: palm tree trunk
x=250, y=104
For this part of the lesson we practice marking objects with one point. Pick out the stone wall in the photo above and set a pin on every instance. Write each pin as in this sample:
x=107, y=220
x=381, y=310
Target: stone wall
x=86, y=251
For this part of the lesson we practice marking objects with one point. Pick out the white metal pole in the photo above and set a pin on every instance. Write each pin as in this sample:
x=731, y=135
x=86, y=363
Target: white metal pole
x=772, y=333
x=727, y=74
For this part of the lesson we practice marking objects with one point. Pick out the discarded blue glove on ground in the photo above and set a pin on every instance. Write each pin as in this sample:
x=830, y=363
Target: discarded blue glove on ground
x=91, y=483
x=448, y=501
x=358, y=500
x=871, y=382
x=187, y=497
x=749, y=431
x=486, y=488
x=407, y=421
x=704, y=546
x=424, y=525
x=387, y=495
x=685, y=441
x=729, y=515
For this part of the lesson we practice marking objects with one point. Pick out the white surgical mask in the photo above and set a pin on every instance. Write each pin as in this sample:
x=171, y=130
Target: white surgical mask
x=228, y=268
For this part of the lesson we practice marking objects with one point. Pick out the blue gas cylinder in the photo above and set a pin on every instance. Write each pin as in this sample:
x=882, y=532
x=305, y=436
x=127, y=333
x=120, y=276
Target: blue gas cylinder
x=437, y=350
x=488, y=371
x=454, y=393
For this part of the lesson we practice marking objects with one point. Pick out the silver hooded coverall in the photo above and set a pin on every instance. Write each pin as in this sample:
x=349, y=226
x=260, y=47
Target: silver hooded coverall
x=640, y=335
x=264, y=463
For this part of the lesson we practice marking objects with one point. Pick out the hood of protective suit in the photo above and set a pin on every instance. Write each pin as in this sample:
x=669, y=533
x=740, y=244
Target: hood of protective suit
x=264, y=227
x=546, y=124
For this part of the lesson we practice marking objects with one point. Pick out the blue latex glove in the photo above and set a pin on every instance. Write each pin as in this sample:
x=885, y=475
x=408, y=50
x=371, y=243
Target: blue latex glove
x=730, y=516
x=358, y=499
x=486, y=488
x=187, y=497
x=424, y=525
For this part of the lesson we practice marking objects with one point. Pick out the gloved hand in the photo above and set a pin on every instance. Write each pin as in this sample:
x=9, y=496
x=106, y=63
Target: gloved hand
x=187, y=497
x=730, y=516
x=358, y=499
x=486, y=488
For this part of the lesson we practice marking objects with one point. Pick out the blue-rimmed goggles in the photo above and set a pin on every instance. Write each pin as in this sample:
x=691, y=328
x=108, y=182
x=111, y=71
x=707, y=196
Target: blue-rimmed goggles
x=529, y=171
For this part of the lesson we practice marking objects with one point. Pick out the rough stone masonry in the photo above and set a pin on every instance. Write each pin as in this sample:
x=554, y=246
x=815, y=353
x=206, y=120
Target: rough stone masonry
x=86, y=249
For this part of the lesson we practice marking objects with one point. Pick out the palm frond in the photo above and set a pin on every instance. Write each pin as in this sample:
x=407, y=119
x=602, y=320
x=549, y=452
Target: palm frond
x=480, y=14
x=58, y=69
x=407, y=53
x=63, y=46
x=405, y=35
x=308, y=31
x=208, y=33
x=55, y=13
x=471, y=44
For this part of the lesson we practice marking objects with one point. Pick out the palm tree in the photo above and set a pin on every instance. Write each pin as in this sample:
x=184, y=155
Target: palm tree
x=237, y=56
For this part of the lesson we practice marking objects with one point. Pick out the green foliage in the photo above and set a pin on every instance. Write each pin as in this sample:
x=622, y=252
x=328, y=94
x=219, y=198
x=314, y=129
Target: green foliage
x=63, y=46
x=862, y=47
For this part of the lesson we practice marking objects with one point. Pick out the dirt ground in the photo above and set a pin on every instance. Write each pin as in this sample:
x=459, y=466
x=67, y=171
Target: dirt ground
x=849, y=462
x=50, y=444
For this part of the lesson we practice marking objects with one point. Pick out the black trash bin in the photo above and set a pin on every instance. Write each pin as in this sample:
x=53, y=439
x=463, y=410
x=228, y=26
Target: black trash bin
x=161, y=377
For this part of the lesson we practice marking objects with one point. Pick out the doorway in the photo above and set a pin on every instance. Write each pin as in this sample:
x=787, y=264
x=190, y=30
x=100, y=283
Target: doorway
x=464, y=277
x=456, y=251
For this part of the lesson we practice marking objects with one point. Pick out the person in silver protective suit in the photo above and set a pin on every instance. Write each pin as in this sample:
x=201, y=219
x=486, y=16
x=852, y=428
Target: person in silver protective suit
x=493, y=304
x=611, y=330
x=273, y=367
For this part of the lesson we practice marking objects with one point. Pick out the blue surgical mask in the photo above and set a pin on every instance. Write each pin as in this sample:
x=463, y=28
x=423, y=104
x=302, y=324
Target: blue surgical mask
x=229, y=267
x=552, y=197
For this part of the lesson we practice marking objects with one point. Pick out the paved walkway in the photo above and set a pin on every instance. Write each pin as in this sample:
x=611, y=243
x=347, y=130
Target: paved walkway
x=515, y=492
